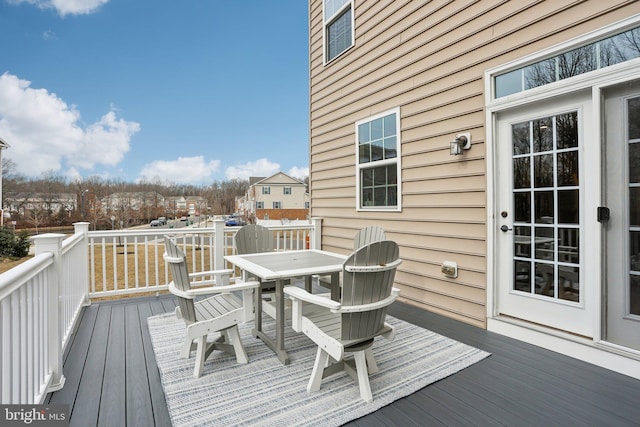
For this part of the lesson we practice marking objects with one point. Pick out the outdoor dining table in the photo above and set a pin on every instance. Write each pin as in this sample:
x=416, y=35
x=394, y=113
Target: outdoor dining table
x=279, y=267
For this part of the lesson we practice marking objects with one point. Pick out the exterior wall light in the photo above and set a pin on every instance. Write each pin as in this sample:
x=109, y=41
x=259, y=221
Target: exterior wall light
x=462, y=142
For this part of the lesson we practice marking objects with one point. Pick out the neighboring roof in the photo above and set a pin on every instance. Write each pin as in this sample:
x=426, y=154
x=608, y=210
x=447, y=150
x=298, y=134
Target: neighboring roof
x=4, y=144
x=255, y=179
x=277, y=178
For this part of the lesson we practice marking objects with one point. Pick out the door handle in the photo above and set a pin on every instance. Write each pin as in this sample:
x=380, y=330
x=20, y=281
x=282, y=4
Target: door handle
x=504, y=228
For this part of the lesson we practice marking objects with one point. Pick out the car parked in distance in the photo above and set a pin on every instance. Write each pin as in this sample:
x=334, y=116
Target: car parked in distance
x=183, y=218
x=233, y=222
x=155, y=223
x=162, y=220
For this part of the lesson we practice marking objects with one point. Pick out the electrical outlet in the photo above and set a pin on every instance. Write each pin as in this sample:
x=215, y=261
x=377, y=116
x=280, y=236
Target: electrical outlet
x=450, y=269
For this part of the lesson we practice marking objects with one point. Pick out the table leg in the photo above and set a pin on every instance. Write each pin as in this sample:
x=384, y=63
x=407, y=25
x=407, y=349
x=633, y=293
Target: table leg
x=257, y=306
x=335, y=286
x=276, y=345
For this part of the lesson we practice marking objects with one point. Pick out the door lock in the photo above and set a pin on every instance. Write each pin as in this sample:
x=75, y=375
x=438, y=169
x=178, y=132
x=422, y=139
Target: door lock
x=505, y=228
x=603, y=214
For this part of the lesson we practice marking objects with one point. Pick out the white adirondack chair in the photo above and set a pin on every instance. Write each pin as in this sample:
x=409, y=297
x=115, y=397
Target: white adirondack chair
x=367, y=235
x=351, y=324
x=221, y=312
x=253, y=239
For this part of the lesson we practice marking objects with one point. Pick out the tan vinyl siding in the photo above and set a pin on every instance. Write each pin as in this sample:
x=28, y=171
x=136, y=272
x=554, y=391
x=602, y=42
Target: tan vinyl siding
x=428, y=58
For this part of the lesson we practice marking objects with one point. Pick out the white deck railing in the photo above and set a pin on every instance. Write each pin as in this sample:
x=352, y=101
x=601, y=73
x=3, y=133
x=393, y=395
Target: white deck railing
x=41, y=299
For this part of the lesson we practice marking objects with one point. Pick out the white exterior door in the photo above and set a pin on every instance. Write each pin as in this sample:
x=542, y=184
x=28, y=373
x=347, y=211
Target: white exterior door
x=541, y=154
x=622, y=231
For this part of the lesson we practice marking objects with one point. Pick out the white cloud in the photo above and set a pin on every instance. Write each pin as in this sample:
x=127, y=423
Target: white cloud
x=261, y=167
x=45, y=134
x=66, y=7
x=298, y=172
x=185, y=170
x=49, y=35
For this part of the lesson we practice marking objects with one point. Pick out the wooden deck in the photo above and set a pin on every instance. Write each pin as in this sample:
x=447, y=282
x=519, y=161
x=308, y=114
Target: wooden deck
x=112, y=379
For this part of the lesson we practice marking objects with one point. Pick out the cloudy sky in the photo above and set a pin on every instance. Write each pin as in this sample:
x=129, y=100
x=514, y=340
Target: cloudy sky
x=190, y=91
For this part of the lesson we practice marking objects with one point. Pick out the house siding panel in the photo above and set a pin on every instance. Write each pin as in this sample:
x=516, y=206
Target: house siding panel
x=428, y=58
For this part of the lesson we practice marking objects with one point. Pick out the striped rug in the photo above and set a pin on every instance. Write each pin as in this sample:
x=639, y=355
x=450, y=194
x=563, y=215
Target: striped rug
x=266, y=393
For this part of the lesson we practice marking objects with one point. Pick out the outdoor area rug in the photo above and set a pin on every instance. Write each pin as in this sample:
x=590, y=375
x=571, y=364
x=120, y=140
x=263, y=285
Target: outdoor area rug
x=266, y=393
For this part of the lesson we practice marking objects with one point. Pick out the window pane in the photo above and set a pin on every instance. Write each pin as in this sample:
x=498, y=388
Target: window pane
x=567, y=130
x=364, y=133
x=522, y=242
x=367, y=177
x=376, y=129
x=339, y=35
x=522, y=279
x=569, y=283
x=634, y=163
x=542, y=135
x=377, y=150
x=520, y=138
x=544, y=243
x=634, y=206
x=568, y=168
x=379, y=186
x=612, y=50
x=508, y=83
x=543, y=205
x=545, y=279
x=634, y=118
x=522, y=207
x=521, y=173
x=542, y=73
x=577, y=61
x=568, y=207
x=543, y=171
x=365, y=153
x=390, y=150
x=390, y=125
x=568, y=245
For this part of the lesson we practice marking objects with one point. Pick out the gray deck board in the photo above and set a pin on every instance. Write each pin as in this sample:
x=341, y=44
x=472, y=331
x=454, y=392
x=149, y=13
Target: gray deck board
x=112, y=378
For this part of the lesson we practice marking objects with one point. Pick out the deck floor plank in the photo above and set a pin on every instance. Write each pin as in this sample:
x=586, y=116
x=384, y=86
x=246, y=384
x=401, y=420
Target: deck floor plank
x=158, y=402
x=139, y=407
x=87, y=404
x=519, y=384
x=113, y=404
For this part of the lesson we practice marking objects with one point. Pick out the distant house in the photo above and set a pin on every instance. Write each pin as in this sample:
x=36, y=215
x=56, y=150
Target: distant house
x=276, y=197
x=502, y=137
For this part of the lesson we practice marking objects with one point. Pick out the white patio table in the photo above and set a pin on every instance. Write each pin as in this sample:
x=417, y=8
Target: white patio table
x=278, y=267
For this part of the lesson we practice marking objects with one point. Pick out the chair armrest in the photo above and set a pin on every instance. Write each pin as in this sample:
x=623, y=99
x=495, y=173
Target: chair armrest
x=367, y=307
x=226, y=272
x=298, y=293
x=372, y=268
x=193, y=293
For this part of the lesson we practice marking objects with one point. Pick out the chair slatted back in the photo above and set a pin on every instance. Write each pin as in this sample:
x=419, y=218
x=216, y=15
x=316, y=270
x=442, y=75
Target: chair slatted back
x=253, y=238
x=367, y=287
x=368, y=235
x=178, y=266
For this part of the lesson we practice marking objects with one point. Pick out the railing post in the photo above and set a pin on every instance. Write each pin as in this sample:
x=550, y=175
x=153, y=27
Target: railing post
x=83, y=228
x=52, y=242
x=316, y=240
x=218, y=244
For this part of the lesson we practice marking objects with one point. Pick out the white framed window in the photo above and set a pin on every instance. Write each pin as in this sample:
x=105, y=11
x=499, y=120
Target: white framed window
x=259, y=205
x=378, y=165
x=338, y=23
x=277, y=205
x=286, y=190
x=266, y=190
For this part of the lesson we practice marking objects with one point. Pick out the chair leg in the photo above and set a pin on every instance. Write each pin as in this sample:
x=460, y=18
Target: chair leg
x=318, y=369
x=372, y=366
x=363, y=376
x=185, y=351
x=233, y=335
x=200, y=356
